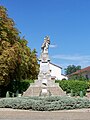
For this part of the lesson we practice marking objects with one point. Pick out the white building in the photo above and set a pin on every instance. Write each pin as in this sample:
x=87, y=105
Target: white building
x=56, y=72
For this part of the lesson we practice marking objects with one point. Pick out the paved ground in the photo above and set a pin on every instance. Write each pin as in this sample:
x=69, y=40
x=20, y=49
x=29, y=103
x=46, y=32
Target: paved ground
x=9, y=114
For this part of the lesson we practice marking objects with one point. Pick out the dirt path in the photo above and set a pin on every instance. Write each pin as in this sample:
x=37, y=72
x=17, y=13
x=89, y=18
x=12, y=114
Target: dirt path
x=9, y=114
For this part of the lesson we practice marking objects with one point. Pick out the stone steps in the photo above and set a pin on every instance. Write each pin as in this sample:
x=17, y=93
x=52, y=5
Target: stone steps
x=36, y=91
x=49, y=83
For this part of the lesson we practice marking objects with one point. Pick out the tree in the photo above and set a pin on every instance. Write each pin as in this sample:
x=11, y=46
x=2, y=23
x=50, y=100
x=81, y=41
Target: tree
x=8, y=36
x=17, y=60
x=71, y=69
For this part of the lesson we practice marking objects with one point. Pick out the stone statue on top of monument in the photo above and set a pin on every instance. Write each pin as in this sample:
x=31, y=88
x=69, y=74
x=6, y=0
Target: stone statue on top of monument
x=45, y=45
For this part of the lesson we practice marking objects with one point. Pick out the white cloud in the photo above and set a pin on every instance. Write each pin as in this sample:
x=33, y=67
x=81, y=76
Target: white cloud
x=83, y=60
x=72, y=57
x=53, y=46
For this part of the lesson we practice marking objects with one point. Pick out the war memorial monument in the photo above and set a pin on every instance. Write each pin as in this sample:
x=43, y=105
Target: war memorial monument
x=44, y=86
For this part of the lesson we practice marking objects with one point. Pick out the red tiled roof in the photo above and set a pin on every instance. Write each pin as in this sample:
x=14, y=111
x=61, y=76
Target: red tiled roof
x=81, y=71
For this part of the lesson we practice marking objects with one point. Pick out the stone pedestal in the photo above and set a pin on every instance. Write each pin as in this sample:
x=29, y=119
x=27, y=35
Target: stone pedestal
x=44, y=74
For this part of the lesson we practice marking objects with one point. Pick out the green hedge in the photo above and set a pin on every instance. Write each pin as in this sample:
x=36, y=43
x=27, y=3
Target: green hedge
x=75, y=86
x=24, y=84
x=18, y=87
x=45, y=103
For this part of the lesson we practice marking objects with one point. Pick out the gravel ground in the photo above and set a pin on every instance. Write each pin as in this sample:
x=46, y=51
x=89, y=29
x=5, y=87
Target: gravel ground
x=13, y=114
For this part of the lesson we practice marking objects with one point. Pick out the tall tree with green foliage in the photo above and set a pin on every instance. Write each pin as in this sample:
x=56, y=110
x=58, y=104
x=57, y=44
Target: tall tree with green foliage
x=17, y=61
x=71, y=69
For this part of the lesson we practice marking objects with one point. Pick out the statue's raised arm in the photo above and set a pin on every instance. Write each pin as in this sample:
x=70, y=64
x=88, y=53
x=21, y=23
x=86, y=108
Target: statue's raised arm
x=45, y=45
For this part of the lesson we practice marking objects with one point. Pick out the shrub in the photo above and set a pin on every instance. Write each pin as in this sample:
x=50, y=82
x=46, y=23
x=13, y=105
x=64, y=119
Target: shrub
x=24, y=84
x=17, y=87
x=45, y=103
x=78, y=77
x=75, y=85
x=88, y=84
x=7, y=94
x=81, y=94
x=72, y=93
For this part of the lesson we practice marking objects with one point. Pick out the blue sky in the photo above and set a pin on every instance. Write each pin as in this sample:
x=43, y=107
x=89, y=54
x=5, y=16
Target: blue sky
x=67, y=22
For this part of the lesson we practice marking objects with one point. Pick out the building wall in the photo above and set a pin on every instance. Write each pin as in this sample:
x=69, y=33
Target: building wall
x=86, y=73
x=56, y=71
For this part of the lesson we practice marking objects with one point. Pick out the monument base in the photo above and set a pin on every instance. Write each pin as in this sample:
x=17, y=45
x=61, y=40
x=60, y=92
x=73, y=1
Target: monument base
x=38, y=89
